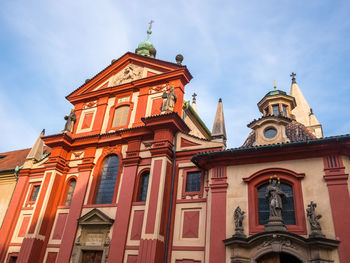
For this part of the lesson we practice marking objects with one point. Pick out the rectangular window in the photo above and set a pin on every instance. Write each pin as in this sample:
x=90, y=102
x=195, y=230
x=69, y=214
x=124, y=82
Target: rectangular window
x=284, y=107
x=276, y=110
x=193, y=181
x=35, y=192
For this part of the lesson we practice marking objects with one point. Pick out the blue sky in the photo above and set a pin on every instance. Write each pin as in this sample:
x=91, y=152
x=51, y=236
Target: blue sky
x=234, y=50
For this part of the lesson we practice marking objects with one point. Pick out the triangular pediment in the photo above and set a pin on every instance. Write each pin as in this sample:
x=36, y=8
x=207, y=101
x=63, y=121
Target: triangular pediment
x=127, y=69
x=187, y=142
x=95, y=217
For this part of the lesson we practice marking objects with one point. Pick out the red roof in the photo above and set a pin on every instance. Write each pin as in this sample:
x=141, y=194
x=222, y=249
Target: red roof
x=9, y=160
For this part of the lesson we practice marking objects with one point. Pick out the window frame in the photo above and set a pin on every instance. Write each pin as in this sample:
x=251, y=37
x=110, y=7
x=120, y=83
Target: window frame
x=66, y=189
x=184, y=182
x=115, y=107
x=289, y=177
x=97, y=174
x=138, y=185
x=274, y=106
x=99, y=180
x=31, y=191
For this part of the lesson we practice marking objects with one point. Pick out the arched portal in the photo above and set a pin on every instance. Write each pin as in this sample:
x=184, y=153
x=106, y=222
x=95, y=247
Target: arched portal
x=278, y=258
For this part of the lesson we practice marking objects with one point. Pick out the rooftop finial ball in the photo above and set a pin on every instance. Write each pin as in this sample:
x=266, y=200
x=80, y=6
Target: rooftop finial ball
x=179, y=58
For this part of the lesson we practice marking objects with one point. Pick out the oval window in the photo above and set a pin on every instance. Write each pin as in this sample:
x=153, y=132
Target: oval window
x=270, y=132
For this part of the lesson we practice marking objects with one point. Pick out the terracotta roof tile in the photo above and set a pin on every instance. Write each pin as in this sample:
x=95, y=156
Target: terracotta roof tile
x=9, y=160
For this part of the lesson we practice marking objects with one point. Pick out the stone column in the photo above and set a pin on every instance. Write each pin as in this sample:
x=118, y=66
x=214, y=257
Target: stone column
x=152, y=243
x=218, y=191
x=337, y=183
x=68, y=236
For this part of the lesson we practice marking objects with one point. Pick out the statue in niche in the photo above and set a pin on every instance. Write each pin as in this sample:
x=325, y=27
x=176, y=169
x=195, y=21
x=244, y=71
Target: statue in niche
x=313, y=219
x=70, y=121
x=274, y=195
x=238, y=217
x=169, y=100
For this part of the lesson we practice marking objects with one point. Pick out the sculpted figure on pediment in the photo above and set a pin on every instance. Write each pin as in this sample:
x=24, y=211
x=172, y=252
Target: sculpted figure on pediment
x=130, y=73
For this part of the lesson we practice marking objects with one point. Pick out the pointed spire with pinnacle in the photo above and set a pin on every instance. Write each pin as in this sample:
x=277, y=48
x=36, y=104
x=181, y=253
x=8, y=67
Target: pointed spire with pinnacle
x=36, y=152
x=218, y=133
x=194, y=105
x=302, y=112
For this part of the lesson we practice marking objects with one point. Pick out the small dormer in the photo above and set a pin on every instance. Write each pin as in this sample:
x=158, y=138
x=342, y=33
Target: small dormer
x=277, y=103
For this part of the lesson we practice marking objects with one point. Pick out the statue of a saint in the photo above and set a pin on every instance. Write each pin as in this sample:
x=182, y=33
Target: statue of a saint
x=238, y=217
x=70, y=121
x=169, y=100
x=274, y=195
x=313, y=219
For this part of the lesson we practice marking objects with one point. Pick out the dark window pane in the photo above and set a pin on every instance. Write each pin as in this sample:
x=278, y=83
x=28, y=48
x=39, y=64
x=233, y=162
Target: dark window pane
x=70, y=192
x=107, y=181
x=284, y=110
x=35, y=193
x=276, y=110
x=193, y=182
x=270, y=132
x=288, y=212
x=143, y=187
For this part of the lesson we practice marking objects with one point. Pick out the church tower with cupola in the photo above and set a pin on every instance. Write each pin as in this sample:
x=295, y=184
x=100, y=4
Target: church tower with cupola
x=278, y=123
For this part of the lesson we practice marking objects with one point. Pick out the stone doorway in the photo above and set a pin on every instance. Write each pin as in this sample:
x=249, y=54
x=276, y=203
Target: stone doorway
x=278, y=258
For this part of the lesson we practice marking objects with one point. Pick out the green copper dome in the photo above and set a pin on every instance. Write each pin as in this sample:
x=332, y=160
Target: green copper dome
x=146, y=47
x=275, y=92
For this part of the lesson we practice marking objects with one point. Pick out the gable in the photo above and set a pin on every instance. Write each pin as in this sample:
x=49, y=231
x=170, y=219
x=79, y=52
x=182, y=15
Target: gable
x=128, y=68
x=95, y=217
x=186, y=142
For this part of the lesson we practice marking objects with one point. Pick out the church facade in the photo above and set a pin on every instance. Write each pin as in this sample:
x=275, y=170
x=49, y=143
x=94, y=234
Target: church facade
x=136, y=176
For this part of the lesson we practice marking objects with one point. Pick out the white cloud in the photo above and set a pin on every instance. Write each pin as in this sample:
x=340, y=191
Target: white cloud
x=233, y=49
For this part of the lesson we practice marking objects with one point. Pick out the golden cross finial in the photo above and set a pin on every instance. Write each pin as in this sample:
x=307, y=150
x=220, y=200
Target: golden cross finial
x=275, y=87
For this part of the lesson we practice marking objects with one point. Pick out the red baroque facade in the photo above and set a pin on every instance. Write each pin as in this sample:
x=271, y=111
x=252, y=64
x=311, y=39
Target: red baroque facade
x=134, y=181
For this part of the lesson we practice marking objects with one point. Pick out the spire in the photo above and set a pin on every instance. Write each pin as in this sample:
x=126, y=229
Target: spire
x=37, y=150
x=194, y=105
x=302, y=112
x=218, y=133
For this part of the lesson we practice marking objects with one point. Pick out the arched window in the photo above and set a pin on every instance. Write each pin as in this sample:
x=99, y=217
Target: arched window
x=70, y=192
x=142, y=194
x=121, y=116
x=288, y=212
x=293, y=212
x=107, y=180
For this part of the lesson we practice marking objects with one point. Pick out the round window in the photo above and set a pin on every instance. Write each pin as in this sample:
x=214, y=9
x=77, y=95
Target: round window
x=270, y=132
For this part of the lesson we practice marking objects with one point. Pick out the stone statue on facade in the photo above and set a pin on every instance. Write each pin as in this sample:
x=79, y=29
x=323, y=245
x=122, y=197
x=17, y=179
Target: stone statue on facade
x=238, y=217
x=70, y=121
x=313, y=219
x=169, y=100
x=274, y=194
